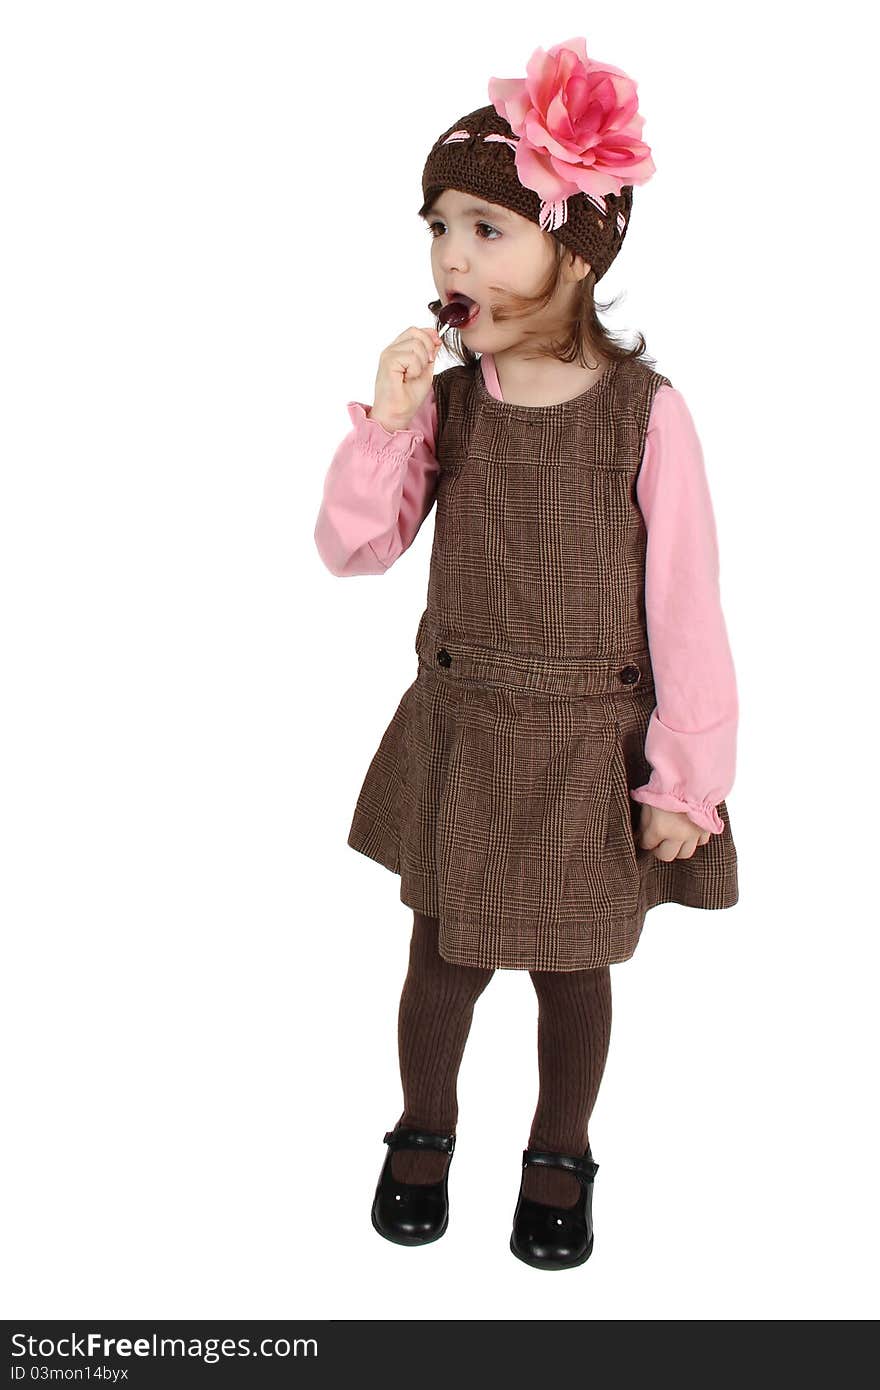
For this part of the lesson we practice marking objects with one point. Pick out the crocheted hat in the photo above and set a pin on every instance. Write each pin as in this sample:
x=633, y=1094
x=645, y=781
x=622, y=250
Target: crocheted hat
x=561, y=147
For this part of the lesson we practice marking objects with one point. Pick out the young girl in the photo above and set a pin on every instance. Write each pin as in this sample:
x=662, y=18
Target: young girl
x=559, y=764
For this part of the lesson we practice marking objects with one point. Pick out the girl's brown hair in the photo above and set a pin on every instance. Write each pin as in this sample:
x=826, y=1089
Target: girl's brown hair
x=582, y=331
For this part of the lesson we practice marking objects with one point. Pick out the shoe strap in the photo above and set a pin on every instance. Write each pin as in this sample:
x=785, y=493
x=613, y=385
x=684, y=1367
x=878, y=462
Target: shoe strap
x=583, y=1168
x=419, y=1139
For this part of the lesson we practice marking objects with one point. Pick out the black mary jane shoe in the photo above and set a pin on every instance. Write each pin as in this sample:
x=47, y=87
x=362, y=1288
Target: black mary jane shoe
x=411, y=1213
x=555, y=1237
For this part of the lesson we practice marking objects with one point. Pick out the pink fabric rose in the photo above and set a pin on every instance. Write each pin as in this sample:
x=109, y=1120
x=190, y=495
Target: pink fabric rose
x=578, y=126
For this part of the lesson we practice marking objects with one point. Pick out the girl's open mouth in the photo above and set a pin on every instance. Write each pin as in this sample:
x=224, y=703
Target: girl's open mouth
x=465, y=302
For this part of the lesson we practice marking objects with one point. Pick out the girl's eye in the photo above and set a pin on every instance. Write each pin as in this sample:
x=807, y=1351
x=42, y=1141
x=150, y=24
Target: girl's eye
x=432, y=225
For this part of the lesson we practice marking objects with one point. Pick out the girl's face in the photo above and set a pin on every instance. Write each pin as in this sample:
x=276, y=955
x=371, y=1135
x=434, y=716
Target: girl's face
x=482, y=250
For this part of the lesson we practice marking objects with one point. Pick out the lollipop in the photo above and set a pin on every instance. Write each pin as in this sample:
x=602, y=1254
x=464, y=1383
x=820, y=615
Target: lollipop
x=451, y=315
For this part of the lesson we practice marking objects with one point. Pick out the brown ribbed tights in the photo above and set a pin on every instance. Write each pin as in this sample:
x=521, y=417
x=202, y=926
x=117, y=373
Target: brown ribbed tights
x=436, y=1010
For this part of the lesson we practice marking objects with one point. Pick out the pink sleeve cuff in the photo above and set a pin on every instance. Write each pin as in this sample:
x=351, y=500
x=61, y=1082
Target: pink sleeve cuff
x=702, y=813
x=375, y=439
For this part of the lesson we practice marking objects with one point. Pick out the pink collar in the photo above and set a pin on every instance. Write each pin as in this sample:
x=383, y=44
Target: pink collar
x=490, y=375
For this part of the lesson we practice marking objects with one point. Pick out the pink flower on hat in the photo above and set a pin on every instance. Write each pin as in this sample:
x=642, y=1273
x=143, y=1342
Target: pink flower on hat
x=578, y=127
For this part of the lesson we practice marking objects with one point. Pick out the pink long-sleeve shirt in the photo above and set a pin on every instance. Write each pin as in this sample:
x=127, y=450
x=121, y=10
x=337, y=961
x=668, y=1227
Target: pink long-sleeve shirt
x=381, y=485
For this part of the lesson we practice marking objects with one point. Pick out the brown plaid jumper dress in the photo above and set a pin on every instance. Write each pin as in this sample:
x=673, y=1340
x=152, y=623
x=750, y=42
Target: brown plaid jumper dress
x=499, y=791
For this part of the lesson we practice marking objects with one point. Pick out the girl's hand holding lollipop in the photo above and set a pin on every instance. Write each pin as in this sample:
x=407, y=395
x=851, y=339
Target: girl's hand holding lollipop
x=406, y=367
x=404, y=378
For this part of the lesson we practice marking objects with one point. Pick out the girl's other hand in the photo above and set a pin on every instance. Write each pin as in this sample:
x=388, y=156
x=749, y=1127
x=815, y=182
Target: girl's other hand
x=669, y=834
x=405, y=376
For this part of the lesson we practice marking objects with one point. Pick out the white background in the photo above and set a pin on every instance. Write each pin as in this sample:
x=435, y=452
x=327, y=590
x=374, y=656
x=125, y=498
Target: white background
x=210, y=233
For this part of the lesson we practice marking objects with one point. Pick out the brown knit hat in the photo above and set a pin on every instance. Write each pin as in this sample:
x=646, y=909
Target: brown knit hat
x=553, y=147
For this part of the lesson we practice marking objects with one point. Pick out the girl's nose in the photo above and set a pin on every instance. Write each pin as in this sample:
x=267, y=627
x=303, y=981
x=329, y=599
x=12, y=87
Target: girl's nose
x=453, y=265
x=451, y=257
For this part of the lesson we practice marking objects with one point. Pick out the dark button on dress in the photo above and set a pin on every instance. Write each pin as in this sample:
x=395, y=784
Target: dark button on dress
x=500, y=790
